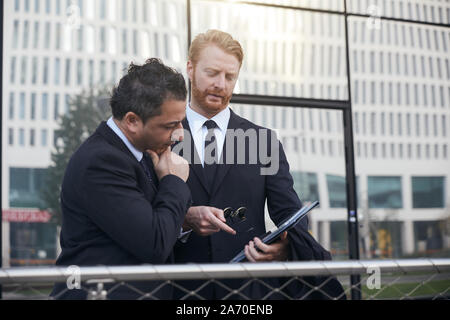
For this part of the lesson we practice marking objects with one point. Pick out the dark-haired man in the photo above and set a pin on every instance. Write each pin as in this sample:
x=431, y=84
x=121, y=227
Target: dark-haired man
x=121, y=206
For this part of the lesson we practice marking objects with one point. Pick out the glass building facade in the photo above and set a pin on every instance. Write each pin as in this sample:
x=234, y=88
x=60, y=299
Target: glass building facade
x=400, y=96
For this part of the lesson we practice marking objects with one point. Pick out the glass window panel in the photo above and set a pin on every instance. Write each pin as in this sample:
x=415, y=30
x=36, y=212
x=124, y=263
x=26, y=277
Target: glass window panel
x=428, y=192
x=33, y=106
x=32, y=137
x=10, y=136
x=336, y=191
x=11, y=106
x=309, y=169
x=395, y=9
x=258, y=28
x=385, y=192
x=15, y=37
x=44, y=134
x=24, y=187
x=314, y=4
x=45, y=106
x=306, y=185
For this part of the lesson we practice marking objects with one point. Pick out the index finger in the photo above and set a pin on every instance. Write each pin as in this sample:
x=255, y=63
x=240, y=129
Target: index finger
x=218, y=213
x=221, y=225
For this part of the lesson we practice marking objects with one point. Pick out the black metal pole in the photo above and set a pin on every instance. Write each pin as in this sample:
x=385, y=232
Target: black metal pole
x=1, y=140
x=280, y=101
x=352, y=214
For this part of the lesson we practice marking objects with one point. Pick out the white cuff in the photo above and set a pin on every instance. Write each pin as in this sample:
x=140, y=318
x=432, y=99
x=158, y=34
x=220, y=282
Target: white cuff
x=183, y=237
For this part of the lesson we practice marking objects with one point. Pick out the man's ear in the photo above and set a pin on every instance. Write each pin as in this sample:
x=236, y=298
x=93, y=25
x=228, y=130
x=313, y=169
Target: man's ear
x=190, y=69
x=132, y=122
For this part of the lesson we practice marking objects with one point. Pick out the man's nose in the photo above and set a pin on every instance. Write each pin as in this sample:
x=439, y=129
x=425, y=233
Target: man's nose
x=220, y=81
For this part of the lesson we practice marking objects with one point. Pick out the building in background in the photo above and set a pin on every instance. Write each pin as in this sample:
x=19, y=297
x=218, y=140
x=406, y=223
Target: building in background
x=400, y=78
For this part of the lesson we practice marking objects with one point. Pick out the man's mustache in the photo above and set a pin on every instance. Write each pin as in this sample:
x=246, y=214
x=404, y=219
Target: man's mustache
x=216, y=93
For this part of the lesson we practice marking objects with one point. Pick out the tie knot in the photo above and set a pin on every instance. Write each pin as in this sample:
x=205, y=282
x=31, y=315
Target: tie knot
x=210, y=124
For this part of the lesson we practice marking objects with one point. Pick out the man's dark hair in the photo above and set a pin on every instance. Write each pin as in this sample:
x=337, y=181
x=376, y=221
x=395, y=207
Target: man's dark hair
x=145, y=88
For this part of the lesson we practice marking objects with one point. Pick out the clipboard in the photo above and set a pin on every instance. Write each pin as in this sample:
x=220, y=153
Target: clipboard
x=287, y=224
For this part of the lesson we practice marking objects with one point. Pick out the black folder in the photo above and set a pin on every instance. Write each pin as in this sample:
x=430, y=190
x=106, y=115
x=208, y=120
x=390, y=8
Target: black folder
x=288, y=223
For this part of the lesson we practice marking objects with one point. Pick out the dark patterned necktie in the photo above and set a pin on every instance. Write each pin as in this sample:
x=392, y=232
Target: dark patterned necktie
x=210, y=159
x=146, y=168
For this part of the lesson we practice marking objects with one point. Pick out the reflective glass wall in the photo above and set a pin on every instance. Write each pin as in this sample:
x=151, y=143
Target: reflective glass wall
x=55, y=50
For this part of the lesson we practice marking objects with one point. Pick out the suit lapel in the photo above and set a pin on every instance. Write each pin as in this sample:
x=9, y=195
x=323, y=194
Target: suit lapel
x=193, y=158
x=223, y=168
x=194, y=161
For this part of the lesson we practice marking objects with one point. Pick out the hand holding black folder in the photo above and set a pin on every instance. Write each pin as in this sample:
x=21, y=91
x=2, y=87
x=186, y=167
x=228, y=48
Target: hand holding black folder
x=287, y=224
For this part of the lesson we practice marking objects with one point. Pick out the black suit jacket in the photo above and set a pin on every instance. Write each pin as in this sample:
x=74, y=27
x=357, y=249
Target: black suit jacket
x=113, y=214
x=243, y=185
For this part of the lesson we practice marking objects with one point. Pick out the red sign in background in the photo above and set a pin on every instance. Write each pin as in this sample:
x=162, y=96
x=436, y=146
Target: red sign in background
x=25, y=215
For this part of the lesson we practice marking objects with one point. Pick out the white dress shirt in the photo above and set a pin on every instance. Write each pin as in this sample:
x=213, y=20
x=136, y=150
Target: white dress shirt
x=199, y=131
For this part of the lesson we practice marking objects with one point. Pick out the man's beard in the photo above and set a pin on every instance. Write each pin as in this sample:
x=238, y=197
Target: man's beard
x=201, y=96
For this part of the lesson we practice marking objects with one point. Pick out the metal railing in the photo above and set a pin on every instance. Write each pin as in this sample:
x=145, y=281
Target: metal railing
x=380, y=279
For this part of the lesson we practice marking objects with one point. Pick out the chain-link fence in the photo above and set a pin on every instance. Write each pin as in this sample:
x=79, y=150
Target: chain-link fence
x=380, y=279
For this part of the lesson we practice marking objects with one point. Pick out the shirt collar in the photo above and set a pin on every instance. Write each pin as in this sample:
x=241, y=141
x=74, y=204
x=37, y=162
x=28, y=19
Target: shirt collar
x=196, y=120
x=136, y=153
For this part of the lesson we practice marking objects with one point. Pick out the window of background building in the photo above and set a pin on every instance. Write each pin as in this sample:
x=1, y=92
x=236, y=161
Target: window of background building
x=56, y=70
x=22, y=106
x=428, y=236
x=15, y=37
x=383, y=150
x=26, y=31
x=428, y=192
x=56, y=107
x=306, y=186
x=33, y=106
x=10, y=136
x=44, y=134
x=11, y=106
x=45, y=106
x=47, y=35
x=91, y=72
x=336, y=191
x=32, y=137
x=338, y=239
x=45, y=72
x=12, y=75
x=384, y=192
x=21, y=137
x=417, y=125
x=23, y=75
x=58, y=36
x=79, y=72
